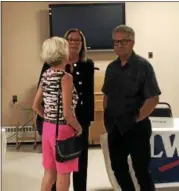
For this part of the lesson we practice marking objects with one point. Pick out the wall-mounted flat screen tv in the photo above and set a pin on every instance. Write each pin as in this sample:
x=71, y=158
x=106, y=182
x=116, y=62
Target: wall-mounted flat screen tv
x=96, y=21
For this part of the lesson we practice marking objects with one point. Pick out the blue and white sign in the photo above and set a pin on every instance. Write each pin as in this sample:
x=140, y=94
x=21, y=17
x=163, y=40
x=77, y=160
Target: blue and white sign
x=165, y=155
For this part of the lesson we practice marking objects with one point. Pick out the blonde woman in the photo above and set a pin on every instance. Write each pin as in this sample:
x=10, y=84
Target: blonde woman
x=55, y=52
x=82, y=70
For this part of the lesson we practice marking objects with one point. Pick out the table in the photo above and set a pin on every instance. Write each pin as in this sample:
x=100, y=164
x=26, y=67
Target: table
x=165, y=155
x=164, y=122
x=164, y=150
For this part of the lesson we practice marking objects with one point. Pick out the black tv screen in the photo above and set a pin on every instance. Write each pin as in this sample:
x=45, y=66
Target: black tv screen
x=96, y=21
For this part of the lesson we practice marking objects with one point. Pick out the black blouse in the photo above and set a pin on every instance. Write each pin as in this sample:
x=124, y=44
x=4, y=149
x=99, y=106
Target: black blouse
x=83, y=79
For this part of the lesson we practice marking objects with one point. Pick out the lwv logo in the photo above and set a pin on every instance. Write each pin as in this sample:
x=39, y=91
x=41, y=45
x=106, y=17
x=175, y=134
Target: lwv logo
x=169, y=146
x=165, y=145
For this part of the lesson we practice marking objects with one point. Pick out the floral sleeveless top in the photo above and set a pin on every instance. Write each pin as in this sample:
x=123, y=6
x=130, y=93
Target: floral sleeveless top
x=51, y=87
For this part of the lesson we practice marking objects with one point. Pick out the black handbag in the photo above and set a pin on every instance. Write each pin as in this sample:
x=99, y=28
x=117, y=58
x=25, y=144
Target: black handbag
x=67, y=149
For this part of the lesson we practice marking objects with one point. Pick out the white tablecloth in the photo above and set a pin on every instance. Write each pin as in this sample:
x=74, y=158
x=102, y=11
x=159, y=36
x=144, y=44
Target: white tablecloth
x=164, y=122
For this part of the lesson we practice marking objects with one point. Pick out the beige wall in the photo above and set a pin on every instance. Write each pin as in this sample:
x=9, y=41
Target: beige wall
x=25, y=25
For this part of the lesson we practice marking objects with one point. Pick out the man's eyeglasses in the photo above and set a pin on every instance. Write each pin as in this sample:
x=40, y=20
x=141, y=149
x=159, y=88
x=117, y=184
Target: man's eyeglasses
x=122, y=42
x=76, y=41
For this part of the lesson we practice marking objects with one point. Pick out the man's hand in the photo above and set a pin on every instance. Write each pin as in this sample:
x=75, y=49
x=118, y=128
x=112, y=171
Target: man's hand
x=147, y=108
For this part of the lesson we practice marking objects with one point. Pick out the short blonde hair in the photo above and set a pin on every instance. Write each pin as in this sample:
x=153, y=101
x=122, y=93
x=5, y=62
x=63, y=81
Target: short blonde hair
x=54, y=50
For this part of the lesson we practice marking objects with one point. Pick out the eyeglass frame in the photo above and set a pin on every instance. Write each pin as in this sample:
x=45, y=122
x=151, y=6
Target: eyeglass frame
x=121, y=42
x=74, y=41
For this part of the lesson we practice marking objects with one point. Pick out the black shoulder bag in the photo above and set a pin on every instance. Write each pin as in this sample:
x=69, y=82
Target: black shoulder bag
x=67, y=149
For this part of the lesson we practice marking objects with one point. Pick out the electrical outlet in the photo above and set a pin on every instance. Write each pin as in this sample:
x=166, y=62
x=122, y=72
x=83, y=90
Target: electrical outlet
x=14, y=99
x=150, y=54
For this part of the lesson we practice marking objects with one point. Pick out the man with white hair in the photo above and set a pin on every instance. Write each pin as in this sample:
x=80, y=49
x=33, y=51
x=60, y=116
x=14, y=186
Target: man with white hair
x=131, y=92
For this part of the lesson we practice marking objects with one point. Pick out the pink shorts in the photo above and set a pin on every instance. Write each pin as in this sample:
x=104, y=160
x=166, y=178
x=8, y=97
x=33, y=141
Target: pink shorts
x=48, y=148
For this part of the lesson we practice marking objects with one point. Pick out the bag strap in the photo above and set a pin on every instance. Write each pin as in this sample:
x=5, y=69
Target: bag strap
x=58, y=107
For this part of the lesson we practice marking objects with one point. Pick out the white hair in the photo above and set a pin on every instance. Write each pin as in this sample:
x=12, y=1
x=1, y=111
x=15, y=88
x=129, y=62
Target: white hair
x=125, y=29
x=54, y=50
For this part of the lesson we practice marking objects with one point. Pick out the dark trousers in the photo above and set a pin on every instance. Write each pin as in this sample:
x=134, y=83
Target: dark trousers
x=135, y=142
x=80, y=177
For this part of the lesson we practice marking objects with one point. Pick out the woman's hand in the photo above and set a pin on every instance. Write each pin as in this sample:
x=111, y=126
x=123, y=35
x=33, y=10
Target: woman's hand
x=37, y=105
x=78, y=131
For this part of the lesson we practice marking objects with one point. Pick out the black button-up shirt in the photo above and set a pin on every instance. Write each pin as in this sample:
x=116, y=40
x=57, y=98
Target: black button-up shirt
x=83, y=79
x=127, y=87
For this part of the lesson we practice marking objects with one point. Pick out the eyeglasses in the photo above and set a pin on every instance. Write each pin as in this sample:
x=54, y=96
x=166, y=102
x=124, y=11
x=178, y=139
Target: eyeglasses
x=76, y=41
x=122, y=42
